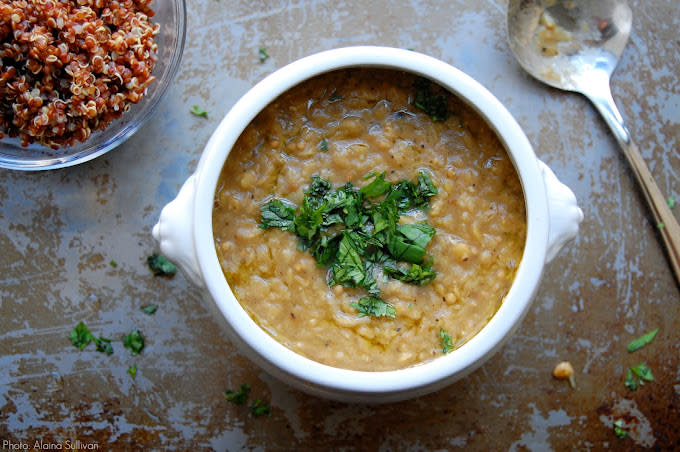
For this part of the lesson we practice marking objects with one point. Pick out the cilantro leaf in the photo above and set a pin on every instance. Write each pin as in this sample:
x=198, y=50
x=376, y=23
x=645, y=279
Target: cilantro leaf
x=238, y=397
x=323, y=145
x=325, y=249
x=619, y=429
x=353, y=235
x=378, y=187
x=631, y=382
x=349, y=268
x=308, y=220
x=132, y=370
x=263, y=55
x=104, y=345
x=643, y=372
x=160, y=265
x=419, y=234
x=445, y=339
x=371, y=306
x=198, y=111
x=134, y=342
x=641, y=341
x=402, y=249
x=424, y=190
x=277, y=214
x=414, y=275
x=259, y=408
x=149, y=309
x=432, y=104
x=636, y=376
x=80, y=336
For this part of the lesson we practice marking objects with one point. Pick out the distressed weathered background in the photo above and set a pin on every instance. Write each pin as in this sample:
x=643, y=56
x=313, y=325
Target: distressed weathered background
x=60, y=230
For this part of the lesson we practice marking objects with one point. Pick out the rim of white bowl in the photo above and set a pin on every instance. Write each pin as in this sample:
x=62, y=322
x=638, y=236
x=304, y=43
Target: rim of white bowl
x=439, y=371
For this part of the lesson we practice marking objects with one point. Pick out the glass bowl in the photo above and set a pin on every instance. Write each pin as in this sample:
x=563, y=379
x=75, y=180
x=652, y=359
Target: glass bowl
x=171, y=15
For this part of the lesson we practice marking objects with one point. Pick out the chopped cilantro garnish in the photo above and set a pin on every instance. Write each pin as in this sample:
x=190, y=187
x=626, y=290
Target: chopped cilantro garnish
x=262, y=52
x=356, y=231
x=378, y=187
x=113, y=263
x=619, y=429
x=323, y=145
x=149, y=309
x=445, y=339
x=81, y=336
x=160, y=265
x=132, y=370
x=431, y=103
x=637, y=376
x=374, y=307
x=134, y=342
x=671, y=202
x=259, y=408
x=104, y=345
x=277, y=214
x=641, y=341
x=239, y=397
x=198, y=111
x=643, y=372
x=414, y=275
x=631, y=382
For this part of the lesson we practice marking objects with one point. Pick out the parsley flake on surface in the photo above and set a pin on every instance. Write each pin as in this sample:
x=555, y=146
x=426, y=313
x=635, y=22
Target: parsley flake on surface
x=416, y=274
x=134, y=342
x=160, y=265
x=671, y=202
x=431, y=103
x=323, y=145
x=643, y=340
x=104, y=345
x=619, y=429
x=374, y=307
x=259, y=408
x=132, y=370
x=80, y=336
x=277, y=214
x=637, y=376
x=198, y=111
x=262, y=53
x=149, y=309
x=239, y=397
x=445, y=339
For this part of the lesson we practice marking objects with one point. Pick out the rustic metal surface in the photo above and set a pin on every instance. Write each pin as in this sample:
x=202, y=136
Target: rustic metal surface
x=62, y=231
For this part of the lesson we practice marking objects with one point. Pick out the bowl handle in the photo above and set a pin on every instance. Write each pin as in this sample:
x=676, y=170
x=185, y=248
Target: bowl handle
x=174, y=232
x=565, y=214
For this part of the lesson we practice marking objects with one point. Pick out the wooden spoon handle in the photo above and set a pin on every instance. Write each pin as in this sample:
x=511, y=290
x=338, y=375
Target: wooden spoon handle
x=664, y=219
x=600, y=94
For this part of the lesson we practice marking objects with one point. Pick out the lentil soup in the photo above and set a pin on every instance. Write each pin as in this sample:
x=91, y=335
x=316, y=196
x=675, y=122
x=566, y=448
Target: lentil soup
x=349, y=126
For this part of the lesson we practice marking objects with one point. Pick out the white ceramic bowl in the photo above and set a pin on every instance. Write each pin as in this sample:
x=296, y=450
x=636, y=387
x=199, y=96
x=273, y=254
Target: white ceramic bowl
x=185, y=234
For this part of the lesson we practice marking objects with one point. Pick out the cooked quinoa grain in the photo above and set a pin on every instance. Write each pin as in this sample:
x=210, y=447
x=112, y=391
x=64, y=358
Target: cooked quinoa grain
x=70, y=67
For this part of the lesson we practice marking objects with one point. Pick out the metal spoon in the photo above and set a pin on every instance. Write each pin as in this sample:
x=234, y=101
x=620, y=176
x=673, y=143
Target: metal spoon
x=575, y=45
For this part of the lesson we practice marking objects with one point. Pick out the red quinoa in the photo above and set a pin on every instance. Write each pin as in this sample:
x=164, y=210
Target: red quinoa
x=69, y=67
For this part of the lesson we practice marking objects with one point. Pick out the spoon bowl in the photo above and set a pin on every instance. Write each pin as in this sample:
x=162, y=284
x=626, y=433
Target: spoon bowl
x=562, y=44
x=575, y=45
